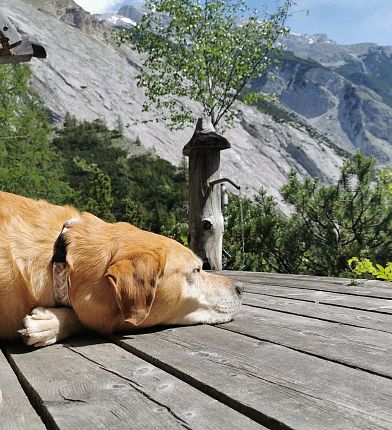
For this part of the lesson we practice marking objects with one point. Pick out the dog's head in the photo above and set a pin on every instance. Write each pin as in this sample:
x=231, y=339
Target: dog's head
x=122, y=277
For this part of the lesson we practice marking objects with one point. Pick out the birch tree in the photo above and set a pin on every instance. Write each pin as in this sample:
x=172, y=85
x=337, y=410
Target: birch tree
x=206, y=51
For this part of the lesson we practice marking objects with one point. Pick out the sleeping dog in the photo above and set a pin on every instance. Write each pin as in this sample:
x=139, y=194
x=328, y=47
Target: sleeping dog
x=61, y=270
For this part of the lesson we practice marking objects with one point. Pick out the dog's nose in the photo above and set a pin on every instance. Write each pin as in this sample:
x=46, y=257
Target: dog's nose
x=239, y=289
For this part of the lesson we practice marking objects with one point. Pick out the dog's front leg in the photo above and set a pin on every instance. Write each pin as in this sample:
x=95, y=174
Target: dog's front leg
x=45, y=326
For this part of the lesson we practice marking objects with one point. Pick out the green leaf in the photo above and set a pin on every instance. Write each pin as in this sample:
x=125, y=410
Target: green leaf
x=196, y=50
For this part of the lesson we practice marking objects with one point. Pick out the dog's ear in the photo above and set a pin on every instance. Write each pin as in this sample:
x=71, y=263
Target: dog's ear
x=135, y=281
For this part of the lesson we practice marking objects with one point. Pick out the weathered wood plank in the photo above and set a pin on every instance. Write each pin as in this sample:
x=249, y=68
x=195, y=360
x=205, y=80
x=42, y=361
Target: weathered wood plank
x=16, y=411
x=9, y=36
x=284, y=276
x=358, y=347
x=320, y=279
x=354, y=317
x=371, y=288
x=89, y=384
x=272, y=384
x=324, y=297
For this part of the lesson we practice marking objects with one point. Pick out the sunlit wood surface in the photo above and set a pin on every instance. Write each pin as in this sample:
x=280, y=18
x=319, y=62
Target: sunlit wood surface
x=304, y=353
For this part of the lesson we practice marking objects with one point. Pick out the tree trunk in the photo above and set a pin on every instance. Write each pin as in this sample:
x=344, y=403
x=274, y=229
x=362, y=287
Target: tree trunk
x=205, y=213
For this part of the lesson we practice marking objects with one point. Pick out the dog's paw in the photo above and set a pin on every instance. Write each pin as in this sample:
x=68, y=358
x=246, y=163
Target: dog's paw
x=41, y=328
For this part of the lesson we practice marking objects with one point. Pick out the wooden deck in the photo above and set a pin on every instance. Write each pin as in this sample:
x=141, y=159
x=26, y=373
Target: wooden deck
x=304, y=353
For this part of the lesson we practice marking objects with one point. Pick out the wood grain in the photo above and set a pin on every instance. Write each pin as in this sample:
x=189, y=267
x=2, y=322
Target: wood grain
x=92, y=384
x=320, y=310
x=304, y=353
x=205, y=214
x=274, y=385
x=324, y=297
x=8, y=33
x=362, y=348
x=370, y=288
x=16, y=412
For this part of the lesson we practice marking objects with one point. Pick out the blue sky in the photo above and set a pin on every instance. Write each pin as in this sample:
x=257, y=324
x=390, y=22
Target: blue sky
x=345, y=21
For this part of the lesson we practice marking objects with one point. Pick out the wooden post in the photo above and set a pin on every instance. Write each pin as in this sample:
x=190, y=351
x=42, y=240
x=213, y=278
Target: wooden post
x=205, y=213
x=14, y=48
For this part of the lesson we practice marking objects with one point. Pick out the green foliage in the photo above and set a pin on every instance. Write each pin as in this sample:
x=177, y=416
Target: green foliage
x=97, y=198
x=146, y=190
x=29, y=165
x=177, y=231
x=364, y=266
x=91, y=162
x=198, y=50
x=352, y=217
x=385, y=178
x=273, y=242
x=82, y=165
x=328, y=224
x=131, y=212
x=371, y=70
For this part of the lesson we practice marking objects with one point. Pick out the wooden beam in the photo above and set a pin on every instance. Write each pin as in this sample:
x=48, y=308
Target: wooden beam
x=9, y=36
x=277, y=386
x=14, y=48
x=16, y=412
x=90, y=384
x=205, y=213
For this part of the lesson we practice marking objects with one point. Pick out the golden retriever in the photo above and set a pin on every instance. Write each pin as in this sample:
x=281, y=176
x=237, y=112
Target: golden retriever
x=117, y=276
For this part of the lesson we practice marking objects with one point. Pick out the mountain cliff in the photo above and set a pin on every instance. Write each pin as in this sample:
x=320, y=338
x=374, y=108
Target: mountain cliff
x=72, y=14
x=345, y=92
x=89, y=77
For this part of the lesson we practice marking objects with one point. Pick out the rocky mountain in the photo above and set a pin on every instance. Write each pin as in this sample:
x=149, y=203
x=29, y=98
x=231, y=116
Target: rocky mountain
x=342, y=91
x=345, y=92
x=72, y=14
x=127, y=16
x=89, y=77
x=134, y=12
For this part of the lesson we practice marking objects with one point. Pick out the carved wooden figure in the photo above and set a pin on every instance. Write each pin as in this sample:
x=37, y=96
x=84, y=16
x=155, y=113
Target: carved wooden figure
x=205, y=212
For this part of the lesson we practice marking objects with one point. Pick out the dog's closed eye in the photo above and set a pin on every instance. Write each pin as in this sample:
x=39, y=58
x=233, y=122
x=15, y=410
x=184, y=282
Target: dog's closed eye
x=190, y=277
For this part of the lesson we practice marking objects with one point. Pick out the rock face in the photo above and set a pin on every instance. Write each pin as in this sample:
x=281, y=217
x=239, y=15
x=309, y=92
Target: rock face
x=71, y=13
x=345, y=92
x=91, y=79
x=133, y=12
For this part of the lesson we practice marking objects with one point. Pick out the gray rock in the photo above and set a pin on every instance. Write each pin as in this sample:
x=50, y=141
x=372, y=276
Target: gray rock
x=91, y=79
x=131, y=11
x=344, y=92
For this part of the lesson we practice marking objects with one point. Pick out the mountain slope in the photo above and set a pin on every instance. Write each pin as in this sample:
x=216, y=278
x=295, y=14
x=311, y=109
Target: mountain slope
x=345, y=92
x=89, y=78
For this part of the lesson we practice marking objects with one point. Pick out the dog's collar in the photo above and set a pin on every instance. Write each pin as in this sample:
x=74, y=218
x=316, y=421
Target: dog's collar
x=60, y=267
x=61, y=283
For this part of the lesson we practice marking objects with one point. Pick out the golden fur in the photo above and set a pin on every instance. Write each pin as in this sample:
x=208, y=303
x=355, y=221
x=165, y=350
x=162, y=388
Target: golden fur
x=121, y=277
